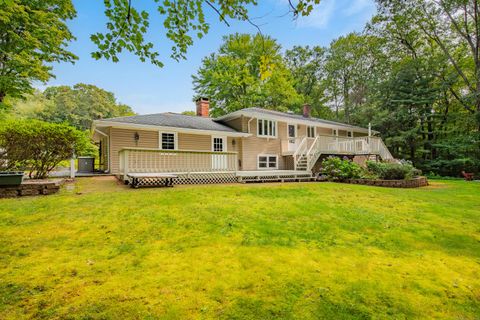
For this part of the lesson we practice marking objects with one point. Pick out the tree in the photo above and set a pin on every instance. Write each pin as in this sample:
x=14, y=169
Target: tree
x=454, y=25
x=39, y=146
x=33, y=34
x=246, y=71
x=307, y=66
x=80, y=105
x=183, y=21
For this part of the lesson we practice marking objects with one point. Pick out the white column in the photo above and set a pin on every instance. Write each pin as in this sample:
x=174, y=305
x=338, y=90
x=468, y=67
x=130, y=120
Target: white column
x=125, y=165
x=72, y=168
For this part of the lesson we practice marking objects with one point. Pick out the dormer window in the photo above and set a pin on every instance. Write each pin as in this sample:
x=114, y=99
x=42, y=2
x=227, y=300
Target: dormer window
x=266, y=128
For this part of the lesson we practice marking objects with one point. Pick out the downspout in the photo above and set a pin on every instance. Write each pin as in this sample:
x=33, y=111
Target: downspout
x=108, y=142
x=248, y=125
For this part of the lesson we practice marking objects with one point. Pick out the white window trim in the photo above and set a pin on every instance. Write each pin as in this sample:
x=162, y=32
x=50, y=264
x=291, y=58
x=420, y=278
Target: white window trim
x=267, y=136
x=267, y=168
x=314, y=131
x=296, y=130
x=175, y=139
x=225, y=143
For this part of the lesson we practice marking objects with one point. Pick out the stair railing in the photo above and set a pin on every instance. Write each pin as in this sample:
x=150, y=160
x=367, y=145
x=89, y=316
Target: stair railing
x=302, y=148
x=313, y=153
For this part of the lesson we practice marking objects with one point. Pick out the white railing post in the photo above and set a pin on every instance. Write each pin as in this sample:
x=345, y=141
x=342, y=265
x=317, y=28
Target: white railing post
x=125, y=165
x=72, y=168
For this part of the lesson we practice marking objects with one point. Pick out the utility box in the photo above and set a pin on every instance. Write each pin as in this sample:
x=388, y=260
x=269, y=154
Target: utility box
x=86, y=164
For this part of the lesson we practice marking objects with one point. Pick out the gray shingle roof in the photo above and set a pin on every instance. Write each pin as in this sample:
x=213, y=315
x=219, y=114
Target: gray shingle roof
x=262, y=111
x=175, y=120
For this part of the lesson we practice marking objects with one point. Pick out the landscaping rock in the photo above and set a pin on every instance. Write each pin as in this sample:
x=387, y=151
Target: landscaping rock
x=410, y=183
x=32, y=188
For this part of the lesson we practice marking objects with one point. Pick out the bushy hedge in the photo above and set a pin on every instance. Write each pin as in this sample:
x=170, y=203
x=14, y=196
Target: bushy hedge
x=392, y=171
x=39, y=146
x=338, y=169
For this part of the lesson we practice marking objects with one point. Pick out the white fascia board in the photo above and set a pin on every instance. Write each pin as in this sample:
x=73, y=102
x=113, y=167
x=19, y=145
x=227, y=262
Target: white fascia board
x=306, y=122
x=134, y=126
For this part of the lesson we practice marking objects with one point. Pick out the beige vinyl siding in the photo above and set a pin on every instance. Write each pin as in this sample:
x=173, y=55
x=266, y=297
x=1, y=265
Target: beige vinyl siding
x=254, y=146
x=360, y=134
x=324, y=131
x=238, y=124
x=194, y=142
x=123, y=138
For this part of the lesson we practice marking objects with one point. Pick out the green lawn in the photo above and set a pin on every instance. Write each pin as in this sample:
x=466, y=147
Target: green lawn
x=258, y=251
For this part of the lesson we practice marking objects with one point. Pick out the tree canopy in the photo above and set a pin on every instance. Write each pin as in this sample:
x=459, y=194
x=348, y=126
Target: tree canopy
x=33, y=34
x=246, y=71
x=78, y=105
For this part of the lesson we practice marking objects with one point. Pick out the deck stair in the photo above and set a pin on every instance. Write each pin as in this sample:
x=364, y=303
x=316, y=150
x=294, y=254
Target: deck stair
x=310, y=150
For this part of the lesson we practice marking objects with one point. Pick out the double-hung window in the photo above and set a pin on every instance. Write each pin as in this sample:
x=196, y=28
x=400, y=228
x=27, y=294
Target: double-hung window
x=168, y=141
x=311, y=132
x=266, y=128
x=267, y=161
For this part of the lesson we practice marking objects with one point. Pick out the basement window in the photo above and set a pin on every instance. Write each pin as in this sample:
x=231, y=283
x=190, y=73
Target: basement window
x=267, y=161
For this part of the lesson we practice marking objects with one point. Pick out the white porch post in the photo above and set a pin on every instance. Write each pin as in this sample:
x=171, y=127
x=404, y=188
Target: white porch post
x=72, y=167
x=125, y=165
x=369, y=135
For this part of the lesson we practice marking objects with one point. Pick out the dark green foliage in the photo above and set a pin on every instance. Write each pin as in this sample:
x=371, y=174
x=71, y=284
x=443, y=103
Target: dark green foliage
x=248, y=70
x=183, y=21
x=338, y=169
x=392, y=171
x=39, y=146
x=78, y=105
x=33, y=34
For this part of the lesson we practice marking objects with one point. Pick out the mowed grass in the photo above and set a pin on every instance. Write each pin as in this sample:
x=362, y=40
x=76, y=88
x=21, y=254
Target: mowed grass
x=99, y=250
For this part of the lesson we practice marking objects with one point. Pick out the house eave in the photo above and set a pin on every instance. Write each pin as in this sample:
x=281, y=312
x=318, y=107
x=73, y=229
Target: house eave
x=134, y=126
x=237, y=114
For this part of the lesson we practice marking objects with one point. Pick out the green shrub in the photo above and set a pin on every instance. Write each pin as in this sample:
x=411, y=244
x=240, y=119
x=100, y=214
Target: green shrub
x=392, y=171
x=39, y=146
x=337, y=169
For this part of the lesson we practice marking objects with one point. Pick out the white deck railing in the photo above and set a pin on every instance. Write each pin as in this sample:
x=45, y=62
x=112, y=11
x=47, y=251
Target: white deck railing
x=338, y=145
x=312, y=148
x=135, y=160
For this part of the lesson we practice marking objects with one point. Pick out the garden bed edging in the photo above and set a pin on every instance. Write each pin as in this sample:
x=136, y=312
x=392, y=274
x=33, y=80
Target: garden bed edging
x=31, y=188
x=410, y=183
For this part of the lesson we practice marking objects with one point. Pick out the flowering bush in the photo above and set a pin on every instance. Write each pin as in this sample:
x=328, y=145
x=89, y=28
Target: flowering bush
x=337, y=169
x=392, y=171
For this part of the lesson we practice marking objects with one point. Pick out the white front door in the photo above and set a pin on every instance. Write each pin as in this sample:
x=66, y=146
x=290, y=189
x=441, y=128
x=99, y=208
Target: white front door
x=219, y=161
x=292, y=135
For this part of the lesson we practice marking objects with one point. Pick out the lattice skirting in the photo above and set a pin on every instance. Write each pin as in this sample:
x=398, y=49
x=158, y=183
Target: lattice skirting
x=206, y=178
x=192, y=178
x=277, y=178
x=217, y=178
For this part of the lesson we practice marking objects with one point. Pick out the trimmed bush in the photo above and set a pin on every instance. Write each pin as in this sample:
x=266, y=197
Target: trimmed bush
x=338, y=169
x=39, y=146
x=392, y=171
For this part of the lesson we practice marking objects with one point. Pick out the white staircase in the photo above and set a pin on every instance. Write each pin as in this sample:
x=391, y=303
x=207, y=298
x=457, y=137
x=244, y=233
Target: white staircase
x=309, y=149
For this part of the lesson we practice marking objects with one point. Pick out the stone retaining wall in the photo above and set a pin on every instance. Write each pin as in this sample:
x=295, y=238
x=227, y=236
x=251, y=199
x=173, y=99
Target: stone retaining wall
x=31, y=188
x=411, y=183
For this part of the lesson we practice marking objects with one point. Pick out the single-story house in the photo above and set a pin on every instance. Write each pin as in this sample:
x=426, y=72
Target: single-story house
x=245, y=143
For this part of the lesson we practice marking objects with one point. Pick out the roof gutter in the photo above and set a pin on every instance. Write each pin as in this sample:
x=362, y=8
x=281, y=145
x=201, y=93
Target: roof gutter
x=121, y=125
x=307, y=122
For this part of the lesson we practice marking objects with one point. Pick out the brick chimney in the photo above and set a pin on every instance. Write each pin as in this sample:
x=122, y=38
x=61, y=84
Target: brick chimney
x=306, y=110
x=203, y=106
